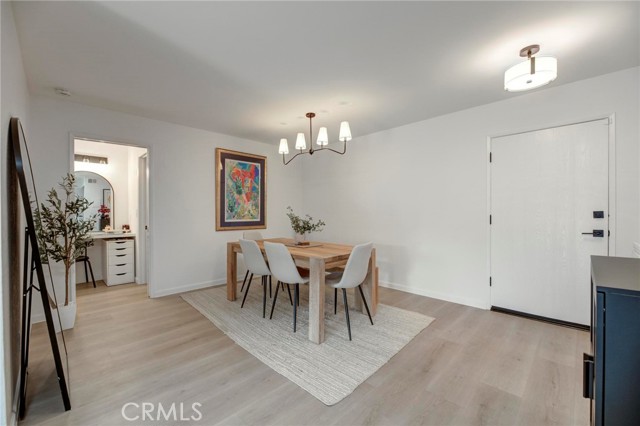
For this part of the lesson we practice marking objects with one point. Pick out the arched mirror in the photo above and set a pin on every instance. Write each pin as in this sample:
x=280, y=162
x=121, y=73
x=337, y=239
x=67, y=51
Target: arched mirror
x=99, y=192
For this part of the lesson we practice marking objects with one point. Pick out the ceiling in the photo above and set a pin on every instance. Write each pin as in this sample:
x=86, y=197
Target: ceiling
x=253, y=69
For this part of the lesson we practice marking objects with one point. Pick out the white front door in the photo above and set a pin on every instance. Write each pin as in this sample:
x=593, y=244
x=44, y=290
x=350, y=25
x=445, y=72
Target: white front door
x=548, y=188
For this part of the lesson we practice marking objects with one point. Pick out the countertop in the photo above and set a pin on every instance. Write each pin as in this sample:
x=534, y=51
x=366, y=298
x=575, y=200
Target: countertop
x=616, y=272
x=106, y=235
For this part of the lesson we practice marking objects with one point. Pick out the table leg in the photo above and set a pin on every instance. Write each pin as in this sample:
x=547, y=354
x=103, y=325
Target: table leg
x=232, y=272
x=316, y=300
x=369, y=287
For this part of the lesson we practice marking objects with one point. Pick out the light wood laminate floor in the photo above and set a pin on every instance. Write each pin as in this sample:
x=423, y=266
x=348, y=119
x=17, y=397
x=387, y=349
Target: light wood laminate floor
x=470, y=367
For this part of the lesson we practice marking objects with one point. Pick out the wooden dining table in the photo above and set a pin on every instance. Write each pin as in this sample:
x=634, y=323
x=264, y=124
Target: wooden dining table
x=317, y=258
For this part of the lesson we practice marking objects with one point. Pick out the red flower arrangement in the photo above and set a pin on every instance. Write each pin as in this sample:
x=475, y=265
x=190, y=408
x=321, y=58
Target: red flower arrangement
x=104, y=211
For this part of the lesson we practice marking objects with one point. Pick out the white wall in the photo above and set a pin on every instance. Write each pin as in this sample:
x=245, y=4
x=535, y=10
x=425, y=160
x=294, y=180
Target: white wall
x=420, y=191
x=185, y=250
x=14, y=103
x=133, y=213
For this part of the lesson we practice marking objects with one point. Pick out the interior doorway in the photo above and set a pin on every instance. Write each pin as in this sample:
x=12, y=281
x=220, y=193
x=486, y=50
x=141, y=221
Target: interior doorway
x=114, y=178
x=550, y=210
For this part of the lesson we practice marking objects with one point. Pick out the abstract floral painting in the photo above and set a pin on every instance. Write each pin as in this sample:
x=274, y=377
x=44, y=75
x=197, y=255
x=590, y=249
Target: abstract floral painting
x=240, y=190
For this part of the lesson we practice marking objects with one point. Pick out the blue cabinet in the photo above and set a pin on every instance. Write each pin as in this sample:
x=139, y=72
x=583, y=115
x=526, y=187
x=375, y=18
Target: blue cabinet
x=612, y=371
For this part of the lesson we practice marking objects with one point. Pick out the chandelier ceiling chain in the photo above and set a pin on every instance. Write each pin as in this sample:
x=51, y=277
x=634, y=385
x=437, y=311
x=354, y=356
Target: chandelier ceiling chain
x=322, y=140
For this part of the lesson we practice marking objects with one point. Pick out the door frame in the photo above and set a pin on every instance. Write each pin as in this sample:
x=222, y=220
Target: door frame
x=143, y=216
x=117, y=141
x=611, y=241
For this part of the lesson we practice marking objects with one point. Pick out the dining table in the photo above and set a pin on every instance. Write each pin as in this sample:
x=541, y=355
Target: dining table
x=318, y=258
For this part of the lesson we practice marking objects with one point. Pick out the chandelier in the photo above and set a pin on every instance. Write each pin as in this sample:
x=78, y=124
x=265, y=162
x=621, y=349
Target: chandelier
x=322, y=141
x=532, y=73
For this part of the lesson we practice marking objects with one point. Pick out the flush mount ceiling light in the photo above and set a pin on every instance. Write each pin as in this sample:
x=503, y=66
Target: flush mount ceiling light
x=532, y=73
x=322, y=141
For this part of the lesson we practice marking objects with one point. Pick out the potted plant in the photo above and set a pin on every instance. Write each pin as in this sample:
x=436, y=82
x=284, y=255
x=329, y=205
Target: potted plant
x=63, y=236
x=302, y=226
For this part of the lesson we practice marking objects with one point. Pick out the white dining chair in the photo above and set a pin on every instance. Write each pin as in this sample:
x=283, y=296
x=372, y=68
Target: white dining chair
x=353, y=276
x=257, y=266
x=251, y=235
x=285, y=271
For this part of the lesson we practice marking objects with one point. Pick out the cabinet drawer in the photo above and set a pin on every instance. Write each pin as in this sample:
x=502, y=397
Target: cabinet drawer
x=112, y=244
x=123, y=259
x=120, y=268
x=120, y=278
x=120, y=250
x=120, y=257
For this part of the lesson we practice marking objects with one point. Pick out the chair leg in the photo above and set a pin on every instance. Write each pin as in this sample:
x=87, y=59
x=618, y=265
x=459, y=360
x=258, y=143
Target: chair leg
x=335, y=301
x=346, y=310
x=269, y=286
x=264, y=296
x=275, y=297
x=86, y=275
x=365, y=303
x=289, y=290
x=295, y=306
x=247, y=291
x=244, y=281
x=91, y=270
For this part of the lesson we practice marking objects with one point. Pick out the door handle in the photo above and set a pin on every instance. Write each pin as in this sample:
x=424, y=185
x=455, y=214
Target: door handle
x=596, y=233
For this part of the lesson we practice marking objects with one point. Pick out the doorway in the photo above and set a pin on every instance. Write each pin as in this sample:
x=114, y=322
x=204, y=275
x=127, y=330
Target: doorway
x=121, y=211
x=549, y=212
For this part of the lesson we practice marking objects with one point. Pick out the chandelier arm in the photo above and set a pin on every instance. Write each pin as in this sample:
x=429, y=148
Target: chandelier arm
x=291, y=159
x=344, y=149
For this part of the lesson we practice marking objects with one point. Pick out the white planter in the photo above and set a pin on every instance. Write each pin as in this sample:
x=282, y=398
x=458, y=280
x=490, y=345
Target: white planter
x=300, y=238
x=67, y=313
x=67, y=316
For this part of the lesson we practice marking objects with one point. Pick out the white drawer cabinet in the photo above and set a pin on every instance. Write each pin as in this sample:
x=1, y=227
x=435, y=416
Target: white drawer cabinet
x=118, y=261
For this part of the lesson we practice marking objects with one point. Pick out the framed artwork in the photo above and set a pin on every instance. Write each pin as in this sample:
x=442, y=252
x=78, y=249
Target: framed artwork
x=241, y=190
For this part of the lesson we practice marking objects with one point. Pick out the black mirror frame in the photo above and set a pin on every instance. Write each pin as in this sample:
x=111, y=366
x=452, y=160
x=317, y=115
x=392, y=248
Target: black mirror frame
x=32, y=263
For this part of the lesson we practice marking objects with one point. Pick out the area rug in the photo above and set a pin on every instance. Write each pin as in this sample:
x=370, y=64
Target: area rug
x=330, y=371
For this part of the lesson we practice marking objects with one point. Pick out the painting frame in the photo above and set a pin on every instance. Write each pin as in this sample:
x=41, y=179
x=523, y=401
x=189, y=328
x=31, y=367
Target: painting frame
x=247, y=164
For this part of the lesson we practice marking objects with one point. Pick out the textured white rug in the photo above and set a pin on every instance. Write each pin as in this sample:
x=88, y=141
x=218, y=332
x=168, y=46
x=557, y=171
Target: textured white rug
x=330, y=371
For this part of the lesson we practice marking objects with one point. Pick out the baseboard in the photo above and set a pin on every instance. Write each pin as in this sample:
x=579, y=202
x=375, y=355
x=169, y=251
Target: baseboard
x=436, y=295
x=188, y=287
x=563, y=323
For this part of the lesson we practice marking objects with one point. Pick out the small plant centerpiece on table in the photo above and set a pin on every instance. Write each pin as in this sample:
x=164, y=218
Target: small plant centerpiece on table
x=63, y=231
x=303, y=226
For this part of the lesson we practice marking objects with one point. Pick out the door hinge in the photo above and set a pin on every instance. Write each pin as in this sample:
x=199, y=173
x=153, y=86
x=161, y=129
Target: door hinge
x=490, y=157
x=490, y=220
x=608, y=233
x=490, y=282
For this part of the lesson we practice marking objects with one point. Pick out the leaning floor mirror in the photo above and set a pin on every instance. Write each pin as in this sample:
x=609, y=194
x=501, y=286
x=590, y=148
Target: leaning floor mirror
x=35, y=277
